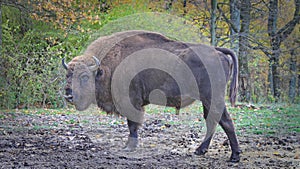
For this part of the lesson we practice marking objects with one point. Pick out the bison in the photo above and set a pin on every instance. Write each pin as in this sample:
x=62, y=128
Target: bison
x=125, y=71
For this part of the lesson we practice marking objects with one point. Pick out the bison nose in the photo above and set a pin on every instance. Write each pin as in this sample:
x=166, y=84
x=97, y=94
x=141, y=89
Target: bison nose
x=69, y=96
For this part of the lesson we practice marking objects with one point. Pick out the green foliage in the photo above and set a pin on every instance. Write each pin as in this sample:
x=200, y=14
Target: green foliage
x=31, y=74
x=62, y=14
x=16, y=20
x=28, y=69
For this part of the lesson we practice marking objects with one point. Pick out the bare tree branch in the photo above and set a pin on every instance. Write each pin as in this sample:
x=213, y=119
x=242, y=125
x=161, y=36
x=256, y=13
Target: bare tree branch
x=286, y=30
x=227, y=20
x=15, y=4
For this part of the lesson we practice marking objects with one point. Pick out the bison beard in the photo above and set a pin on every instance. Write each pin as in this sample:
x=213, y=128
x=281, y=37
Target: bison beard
x=89, y=80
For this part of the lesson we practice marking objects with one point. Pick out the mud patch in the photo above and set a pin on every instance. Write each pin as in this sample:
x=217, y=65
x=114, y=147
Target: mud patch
x=166, y=141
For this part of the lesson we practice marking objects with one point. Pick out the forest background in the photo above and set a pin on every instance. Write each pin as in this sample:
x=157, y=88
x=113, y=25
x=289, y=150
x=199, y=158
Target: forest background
x=37, y=34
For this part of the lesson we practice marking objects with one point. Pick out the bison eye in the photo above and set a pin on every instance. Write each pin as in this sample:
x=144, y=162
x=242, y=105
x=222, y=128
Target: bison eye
x=100, y=72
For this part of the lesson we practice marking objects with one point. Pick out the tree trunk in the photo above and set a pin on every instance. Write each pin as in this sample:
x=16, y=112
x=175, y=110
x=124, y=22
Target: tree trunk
x=184, y=7
x=0, y=29
x=292, y=83
x=275, y=43
x=270, y=79
x=244, y=79
x=235, y=25
x=277, y=37
x=275, y=74
x=213, y=22
x=298, y=94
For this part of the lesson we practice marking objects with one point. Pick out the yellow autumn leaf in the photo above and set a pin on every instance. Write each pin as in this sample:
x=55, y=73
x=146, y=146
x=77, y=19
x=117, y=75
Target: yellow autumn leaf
x=276, y=153
x=152, y=145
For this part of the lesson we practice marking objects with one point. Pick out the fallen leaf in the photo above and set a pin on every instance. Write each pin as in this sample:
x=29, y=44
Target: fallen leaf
x=152, y=145
x=297, y=155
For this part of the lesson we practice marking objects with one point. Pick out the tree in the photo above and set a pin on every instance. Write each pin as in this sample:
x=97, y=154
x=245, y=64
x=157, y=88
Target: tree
x=244, y=51
x=213, y=22
x=293, y=79
x=0, y=28
x=239, y=31
x=184, y=7
x=61, y=14
x=234, y=24
x=277, y=36
x=298, y=93
x=21, y=17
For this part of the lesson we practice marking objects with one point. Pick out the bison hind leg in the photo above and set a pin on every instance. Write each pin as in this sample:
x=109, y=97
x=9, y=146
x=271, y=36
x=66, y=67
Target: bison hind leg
x=227, y=125
x=203, y=148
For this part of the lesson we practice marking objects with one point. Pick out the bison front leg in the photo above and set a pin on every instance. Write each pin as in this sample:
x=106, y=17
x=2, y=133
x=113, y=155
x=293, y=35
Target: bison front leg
x=227, y=125
x=132, y=141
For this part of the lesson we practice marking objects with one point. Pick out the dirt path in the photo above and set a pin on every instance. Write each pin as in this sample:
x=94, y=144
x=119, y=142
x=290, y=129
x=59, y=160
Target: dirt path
x=95, y=141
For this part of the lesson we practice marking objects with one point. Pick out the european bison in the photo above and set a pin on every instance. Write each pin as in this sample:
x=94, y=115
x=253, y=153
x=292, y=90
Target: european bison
x=128, y=70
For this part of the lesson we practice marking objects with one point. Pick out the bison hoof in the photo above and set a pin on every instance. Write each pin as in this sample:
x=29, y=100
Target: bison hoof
x=200, y=151
x=235, y=157
x=131, y=144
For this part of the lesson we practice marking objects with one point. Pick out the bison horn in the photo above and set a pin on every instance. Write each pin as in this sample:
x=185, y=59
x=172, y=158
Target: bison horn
x=95, y=67
x=64, y=64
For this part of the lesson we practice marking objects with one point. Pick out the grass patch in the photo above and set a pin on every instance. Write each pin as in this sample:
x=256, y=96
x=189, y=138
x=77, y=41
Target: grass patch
x=39, y=127
x=2, y=116
x=267, y=120
x=259, y=119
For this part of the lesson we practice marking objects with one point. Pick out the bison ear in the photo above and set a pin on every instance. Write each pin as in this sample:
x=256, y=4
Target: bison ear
x=95, y=67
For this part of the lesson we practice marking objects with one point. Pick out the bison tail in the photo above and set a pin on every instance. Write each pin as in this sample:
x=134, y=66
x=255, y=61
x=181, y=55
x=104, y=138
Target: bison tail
x=234, y=82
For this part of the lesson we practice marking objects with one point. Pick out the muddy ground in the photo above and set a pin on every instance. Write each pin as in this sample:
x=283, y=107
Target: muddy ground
x=95, y=140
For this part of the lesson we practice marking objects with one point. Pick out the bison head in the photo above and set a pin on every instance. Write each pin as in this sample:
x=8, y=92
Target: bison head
x=80, y=87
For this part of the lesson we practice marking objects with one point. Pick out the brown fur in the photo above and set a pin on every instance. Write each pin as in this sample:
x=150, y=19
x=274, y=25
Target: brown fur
x=86, y=85
x=111, y=50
